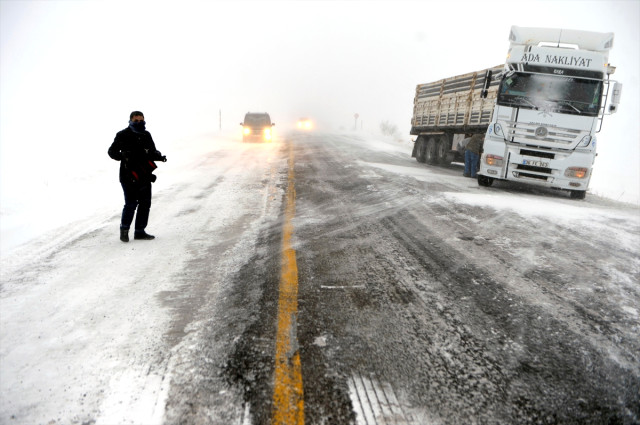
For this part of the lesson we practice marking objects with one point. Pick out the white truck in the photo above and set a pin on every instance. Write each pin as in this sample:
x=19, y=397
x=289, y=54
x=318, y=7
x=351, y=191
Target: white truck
x=539, y=111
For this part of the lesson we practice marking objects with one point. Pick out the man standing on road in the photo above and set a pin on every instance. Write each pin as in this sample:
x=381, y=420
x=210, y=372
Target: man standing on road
x=135, y=150
x=472, y=155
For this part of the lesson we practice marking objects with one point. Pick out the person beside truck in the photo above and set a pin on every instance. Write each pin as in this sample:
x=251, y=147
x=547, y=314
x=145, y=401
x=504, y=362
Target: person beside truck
x=472, y=155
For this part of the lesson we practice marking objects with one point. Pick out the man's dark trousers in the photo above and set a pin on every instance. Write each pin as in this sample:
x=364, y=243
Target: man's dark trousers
x=136, y=195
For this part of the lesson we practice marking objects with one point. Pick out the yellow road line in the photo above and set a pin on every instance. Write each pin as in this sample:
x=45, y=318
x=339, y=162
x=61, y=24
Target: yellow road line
x=288, y=400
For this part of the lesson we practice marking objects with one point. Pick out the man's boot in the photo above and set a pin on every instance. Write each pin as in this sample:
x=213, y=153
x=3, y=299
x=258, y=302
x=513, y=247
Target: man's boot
x=141, y=234
x=124, y=235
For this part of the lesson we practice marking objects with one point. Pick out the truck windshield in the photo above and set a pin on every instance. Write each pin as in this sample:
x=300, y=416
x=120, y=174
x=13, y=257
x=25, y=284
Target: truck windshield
x=567, y=95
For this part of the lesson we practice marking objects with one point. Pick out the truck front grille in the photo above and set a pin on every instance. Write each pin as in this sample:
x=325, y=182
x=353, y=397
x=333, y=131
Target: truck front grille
x=526, y=133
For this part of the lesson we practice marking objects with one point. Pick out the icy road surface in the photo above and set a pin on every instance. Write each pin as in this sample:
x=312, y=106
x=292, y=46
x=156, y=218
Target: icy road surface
x=422, y=298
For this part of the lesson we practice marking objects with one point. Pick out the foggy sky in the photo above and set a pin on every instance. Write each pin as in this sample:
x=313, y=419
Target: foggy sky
x=70, y=72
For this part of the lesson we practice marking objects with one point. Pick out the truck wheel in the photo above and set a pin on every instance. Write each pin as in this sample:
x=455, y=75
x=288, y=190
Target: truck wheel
x=420, y=150
x=430, y=151
x=442, y=150
x=485, y=181
x=578, y=194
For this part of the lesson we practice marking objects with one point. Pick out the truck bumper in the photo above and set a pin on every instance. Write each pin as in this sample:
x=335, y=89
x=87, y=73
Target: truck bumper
x=569, y=170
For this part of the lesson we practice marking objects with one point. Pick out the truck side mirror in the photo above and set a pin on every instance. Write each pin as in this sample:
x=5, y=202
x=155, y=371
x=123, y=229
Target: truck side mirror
x=487, y=83
x=241, y=124
x=272, y=124
x=615, y=97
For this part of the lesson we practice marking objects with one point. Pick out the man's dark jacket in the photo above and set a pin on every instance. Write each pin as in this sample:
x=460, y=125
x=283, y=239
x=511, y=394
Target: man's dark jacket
x=475, y=144
x=136, y=153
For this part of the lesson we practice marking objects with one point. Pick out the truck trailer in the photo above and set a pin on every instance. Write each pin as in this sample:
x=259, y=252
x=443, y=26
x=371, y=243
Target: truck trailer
x=539, y=112
x=446, y=110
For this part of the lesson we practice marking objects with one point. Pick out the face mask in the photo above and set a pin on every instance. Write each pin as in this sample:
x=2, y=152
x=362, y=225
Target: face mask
x=138, y=127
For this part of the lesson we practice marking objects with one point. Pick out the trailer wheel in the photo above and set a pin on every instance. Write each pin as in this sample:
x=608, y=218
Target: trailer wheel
x=485, y=181
x=578, y=194
x=420, y=150
x=430, y=151
x=442, y=150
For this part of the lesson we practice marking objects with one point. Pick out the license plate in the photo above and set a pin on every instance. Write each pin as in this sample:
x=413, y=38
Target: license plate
x=535, y=163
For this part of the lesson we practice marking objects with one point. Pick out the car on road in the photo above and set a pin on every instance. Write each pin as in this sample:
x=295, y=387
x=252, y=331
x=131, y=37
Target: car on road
x=257, y=127
x=305, y=124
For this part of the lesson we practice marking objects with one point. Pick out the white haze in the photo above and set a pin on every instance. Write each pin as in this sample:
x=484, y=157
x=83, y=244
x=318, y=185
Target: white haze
x=70, y=73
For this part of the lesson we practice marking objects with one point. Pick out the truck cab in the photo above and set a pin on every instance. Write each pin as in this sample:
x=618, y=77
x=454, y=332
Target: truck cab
x=549, y=107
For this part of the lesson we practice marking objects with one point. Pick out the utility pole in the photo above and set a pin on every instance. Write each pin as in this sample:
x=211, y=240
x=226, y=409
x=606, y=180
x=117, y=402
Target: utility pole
x=220, y=119
x=355, y=126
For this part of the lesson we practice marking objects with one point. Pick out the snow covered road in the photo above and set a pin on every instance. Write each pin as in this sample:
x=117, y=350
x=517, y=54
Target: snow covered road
x=88, y=323
x=423, y=298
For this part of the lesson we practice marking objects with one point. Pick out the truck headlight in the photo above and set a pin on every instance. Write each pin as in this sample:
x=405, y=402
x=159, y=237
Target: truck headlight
x=497, y=129
x=267, y=134
x=246, y=130
x=494, y=160
x=576, y=172
x=585, y=141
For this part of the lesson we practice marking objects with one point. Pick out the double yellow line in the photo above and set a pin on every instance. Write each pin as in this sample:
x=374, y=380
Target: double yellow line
x=288, y=400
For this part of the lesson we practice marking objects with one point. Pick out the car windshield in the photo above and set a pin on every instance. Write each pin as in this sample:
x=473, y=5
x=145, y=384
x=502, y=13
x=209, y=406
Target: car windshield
x=551, y=93
x=257, y=120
